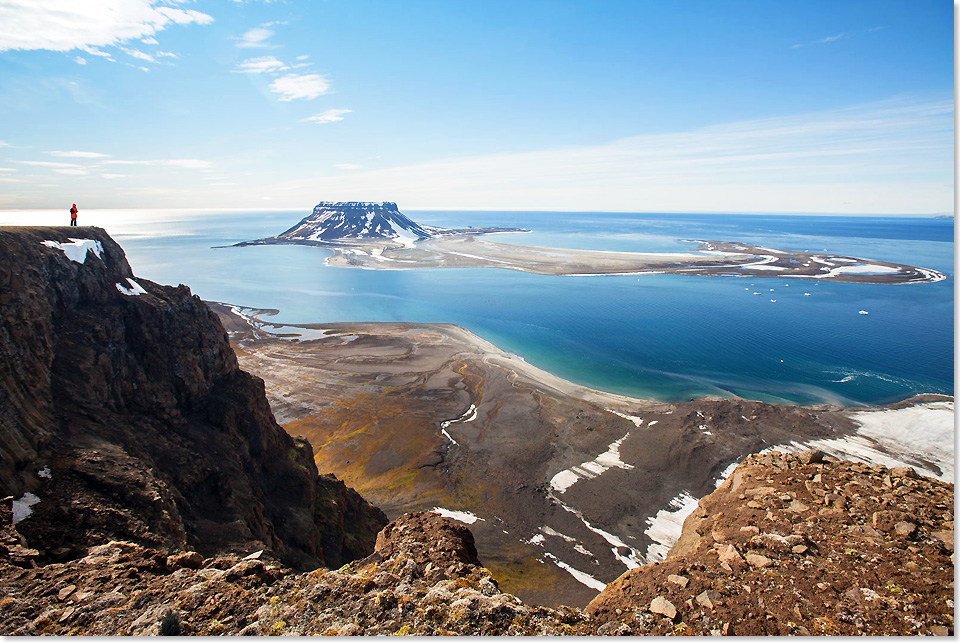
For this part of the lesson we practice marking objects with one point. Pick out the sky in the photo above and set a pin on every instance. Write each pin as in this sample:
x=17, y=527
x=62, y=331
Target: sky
x=803, y=106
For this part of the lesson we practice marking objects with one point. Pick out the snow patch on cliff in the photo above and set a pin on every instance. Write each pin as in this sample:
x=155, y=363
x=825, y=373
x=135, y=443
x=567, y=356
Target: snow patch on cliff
x=135, y=288
x=22, y=508
x=77, y=249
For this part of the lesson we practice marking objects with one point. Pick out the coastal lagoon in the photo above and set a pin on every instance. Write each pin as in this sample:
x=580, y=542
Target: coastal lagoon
x=666, y=337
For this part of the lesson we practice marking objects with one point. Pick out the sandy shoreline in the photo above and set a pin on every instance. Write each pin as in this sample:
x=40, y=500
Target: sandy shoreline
x=514, y=365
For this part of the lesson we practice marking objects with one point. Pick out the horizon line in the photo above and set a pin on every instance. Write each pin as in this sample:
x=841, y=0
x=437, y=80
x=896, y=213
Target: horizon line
x=501, y=210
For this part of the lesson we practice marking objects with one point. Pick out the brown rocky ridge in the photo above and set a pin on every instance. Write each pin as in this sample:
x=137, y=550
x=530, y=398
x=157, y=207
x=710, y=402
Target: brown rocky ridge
x=788, y=545
x=803, y=544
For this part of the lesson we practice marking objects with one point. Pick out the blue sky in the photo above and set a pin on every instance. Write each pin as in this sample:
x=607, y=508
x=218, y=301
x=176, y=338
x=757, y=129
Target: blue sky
x=600, y=105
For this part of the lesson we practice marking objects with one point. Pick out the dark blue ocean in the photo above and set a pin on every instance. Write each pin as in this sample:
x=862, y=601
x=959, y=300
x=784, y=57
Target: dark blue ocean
x=666, y=337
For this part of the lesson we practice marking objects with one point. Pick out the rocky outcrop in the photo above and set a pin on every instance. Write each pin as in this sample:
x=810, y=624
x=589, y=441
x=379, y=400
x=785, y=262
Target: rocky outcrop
x=422, y=580
x=441, y=546
x=788, y=545
x=125, y=415
x=802, y=544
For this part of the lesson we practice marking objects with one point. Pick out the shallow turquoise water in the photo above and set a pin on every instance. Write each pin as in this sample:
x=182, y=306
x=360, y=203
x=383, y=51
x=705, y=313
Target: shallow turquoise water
x=662, y=336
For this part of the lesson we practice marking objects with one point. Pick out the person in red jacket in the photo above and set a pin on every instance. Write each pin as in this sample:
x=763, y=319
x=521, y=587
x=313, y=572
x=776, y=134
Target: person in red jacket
x=73, y=215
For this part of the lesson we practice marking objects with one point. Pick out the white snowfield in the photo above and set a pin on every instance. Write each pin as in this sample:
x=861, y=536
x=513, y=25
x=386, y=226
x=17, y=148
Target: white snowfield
x=459, y=515
x=665, y=527
x=637, y=421
x=135, y=288
x=77, y=249
x=584, y=578
x=627, y=555
x=916, y=436
x=402, y=235
x=857, y=269
x=590, y=469
x=469, y=415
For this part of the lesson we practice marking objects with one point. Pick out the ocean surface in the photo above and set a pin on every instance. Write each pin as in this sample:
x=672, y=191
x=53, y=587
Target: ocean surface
x=665, y=337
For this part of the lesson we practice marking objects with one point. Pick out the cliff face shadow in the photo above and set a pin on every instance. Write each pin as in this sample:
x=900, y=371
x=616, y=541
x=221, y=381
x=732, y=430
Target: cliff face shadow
x=126, y=415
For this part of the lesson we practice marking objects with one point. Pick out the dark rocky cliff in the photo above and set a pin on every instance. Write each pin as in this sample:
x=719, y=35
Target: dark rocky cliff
x=128, y=417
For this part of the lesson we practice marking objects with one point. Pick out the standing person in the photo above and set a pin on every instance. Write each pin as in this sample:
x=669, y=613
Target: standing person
x=73, y=215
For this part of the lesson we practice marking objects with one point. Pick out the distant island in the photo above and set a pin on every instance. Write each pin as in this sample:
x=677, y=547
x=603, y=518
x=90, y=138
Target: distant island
x=378, y=236
x=353, y=222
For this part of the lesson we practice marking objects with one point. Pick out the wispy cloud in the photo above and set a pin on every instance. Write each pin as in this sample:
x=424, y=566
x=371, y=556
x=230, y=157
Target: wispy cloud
x=47, y=164
x=100, y=165
x=182, y=163
x=262, y=65
x=300, y=87
x=80, y=60
x=255, y=38
x=328, y=116
x=348, y=166
x=63, y=25
x=76, y=154
x=139, y=55
x=820, y=41
x=93, y=51
x=891, y=157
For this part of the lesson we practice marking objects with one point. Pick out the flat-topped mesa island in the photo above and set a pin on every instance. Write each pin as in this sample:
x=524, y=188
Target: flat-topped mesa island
x=378, y=236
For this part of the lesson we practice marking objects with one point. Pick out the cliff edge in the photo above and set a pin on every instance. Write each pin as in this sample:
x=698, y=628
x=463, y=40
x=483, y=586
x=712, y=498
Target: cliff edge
x=124, y=416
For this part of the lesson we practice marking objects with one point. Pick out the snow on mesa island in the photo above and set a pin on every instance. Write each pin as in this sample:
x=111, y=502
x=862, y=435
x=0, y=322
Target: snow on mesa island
x=77, y=249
